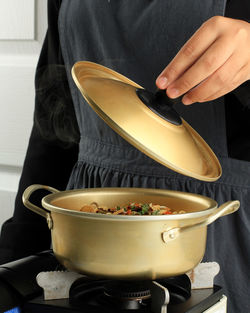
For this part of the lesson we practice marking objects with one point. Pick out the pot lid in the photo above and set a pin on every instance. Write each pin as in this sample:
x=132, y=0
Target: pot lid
x=146, y=120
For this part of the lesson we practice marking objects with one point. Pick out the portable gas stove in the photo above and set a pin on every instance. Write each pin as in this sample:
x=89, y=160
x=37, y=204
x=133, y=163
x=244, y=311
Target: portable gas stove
x=20, y=292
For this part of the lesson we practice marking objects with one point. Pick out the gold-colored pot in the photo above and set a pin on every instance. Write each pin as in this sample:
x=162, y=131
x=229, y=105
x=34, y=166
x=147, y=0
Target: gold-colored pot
x=128, y=247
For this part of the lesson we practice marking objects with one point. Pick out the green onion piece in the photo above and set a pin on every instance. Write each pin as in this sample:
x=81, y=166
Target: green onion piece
x=145, y=208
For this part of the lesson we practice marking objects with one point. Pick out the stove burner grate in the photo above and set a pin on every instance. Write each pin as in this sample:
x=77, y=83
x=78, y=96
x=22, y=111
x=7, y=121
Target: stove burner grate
x=126, y=295
x=127, y=290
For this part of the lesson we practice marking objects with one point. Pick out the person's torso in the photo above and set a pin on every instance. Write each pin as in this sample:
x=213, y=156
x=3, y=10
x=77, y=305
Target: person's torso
x=138, y=39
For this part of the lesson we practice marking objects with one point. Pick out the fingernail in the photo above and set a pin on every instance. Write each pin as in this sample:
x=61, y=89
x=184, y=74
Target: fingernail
x=173, y=92
x=186, y=100
x=162, y=82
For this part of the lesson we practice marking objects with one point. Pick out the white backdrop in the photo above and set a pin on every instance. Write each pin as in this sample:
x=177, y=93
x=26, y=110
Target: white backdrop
x=23, y=25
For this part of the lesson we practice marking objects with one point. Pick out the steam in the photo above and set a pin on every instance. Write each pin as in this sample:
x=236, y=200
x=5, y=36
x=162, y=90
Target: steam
x=54, y=112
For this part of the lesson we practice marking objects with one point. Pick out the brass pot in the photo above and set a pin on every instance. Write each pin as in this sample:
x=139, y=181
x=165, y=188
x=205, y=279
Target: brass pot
x=128, y=247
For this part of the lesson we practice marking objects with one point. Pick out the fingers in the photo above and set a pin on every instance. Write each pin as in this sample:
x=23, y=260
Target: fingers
x=188, y=54
x=225, y=79
x=206, y=65
x=213, y=62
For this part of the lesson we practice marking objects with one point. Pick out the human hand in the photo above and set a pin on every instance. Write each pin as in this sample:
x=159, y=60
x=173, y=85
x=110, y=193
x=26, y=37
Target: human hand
x=213, y=62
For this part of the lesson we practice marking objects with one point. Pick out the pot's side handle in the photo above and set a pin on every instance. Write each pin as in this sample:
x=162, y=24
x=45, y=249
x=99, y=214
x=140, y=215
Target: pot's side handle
x=27, y=193
x=225, y=209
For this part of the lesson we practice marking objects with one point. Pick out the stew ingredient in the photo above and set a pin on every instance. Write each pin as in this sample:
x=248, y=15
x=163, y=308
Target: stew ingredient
x=131, y=209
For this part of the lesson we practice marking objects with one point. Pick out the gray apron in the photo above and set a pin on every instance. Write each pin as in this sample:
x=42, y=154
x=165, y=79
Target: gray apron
x=138, y=38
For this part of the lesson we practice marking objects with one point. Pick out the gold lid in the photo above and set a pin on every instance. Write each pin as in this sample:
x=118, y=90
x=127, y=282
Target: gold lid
x=173, y=143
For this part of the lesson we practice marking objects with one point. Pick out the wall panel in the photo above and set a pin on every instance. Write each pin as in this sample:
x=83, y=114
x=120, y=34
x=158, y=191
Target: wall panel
x=22, y=30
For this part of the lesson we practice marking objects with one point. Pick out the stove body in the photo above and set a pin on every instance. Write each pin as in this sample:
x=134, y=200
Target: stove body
x=207, y=301
x=20, y=293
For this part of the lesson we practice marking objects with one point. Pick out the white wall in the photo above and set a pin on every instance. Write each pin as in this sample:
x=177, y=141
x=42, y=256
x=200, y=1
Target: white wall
x=22, y=29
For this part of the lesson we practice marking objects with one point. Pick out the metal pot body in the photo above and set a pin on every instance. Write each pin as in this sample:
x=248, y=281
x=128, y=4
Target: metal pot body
x=128, y=247
x=124, y=249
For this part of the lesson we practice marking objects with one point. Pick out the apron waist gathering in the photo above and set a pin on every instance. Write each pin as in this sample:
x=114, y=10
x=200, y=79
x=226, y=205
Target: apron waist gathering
x=132, y=161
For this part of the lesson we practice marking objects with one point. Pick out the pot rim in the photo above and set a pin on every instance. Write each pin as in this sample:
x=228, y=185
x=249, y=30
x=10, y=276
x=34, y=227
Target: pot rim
x=212, y=204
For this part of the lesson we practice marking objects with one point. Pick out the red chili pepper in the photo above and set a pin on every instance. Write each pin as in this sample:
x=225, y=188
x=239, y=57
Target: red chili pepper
x=167, y=212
